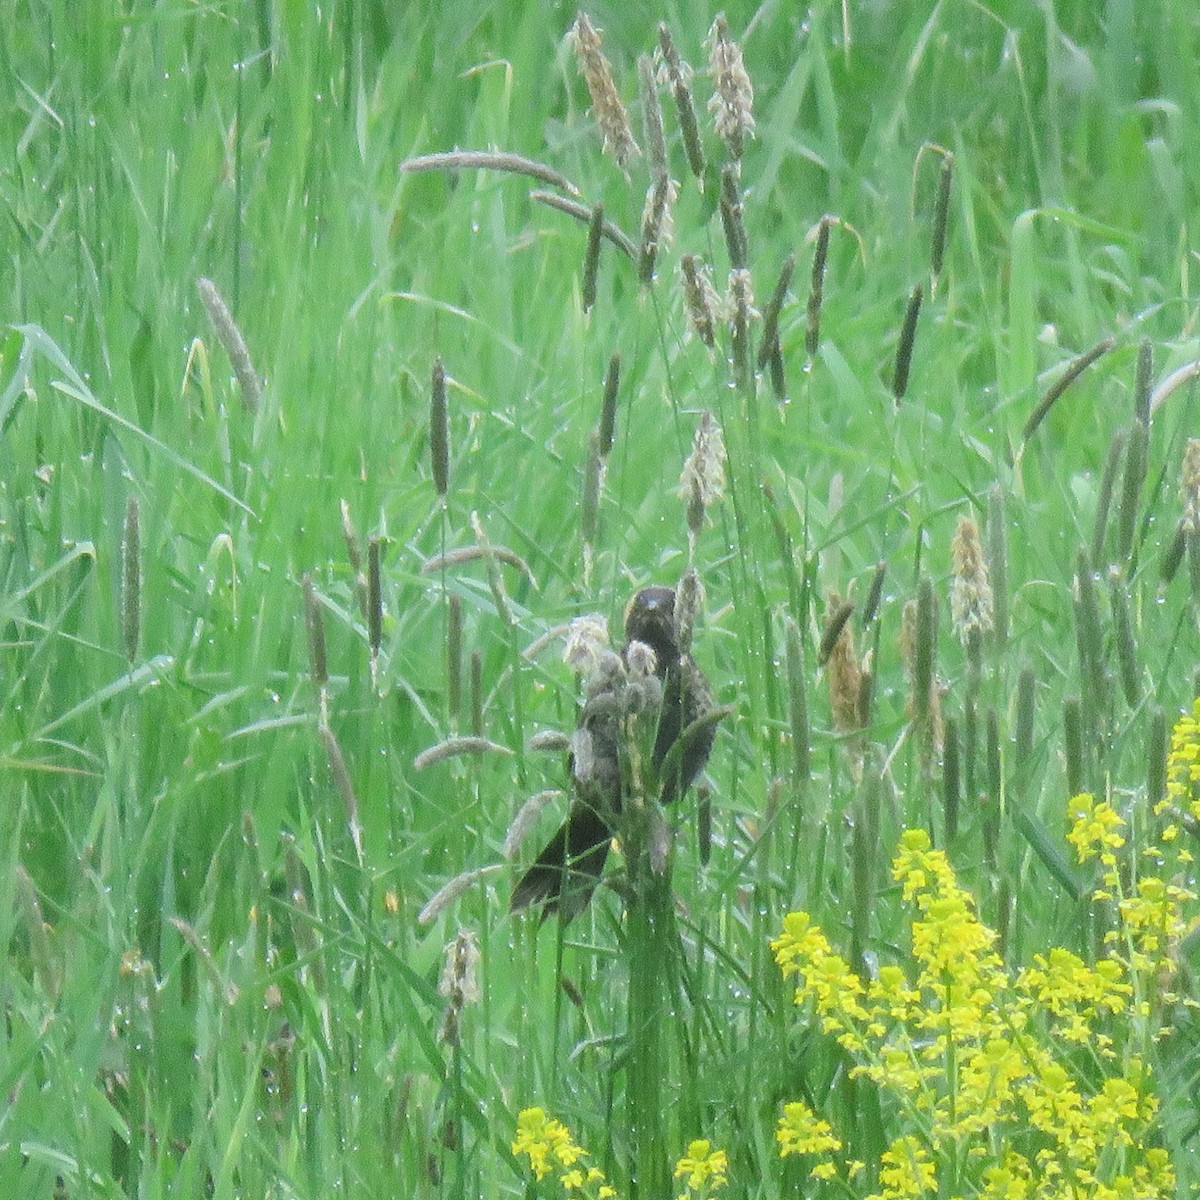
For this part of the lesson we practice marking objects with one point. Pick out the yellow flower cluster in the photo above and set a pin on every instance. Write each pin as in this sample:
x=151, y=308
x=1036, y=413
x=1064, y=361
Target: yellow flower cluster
x=985, y=1066
x=548, y=1145
x=704, y=1168
x=1151, y=911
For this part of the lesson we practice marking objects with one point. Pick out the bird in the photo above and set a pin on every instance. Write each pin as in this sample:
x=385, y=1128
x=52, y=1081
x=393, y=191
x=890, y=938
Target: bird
x=567, y=871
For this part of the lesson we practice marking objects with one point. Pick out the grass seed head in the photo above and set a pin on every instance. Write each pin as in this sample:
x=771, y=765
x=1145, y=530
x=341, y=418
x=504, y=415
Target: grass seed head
x=971, y=600
x=702, y=482
x=230, y=337
x=679, y=76
x=607, y=108
x=816, y=291
x=459, y=983
x=608, y=407
x=842, y=670
x=733, y=222
x=733, y=97
x=657, y=226
x=904, y=348
x=700, y=298
x=652, y=117
x=941, y=214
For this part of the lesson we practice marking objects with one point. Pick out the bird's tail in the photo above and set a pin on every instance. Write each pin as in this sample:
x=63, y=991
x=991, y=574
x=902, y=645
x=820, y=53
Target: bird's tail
x=567, y=871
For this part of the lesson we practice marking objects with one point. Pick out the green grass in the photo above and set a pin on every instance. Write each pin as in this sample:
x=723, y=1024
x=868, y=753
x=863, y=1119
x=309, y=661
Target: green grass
x=206, y=992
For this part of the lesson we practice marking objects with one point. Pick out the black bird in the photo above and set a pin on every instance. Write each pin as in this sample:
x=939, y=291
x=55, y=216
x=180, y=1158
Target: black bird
x=569, y=868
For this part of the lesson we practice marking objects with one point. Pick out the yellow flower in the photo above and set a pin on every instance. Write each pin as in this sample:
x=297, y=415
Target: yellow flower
x=905, y=1170
x=704, y=1167
x=1095, y=827
x=801, y=1131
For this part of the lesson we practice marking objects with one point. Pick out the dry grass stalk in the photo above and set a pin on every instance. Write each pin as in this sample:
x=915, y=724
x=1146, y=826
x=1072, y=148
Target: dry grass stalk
x=679, y=76
x=733, y=96
x=607, y=109
x=439, y=430
x=904, y=348
x=131, y=580
x=230, y=337
x=585, y=213
x=699, y=298
x=490, y=160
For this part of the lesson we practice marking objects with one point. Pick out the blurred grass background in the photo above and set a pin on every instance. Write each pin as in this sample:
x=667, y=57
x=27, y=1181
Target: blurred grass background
x=206, y=992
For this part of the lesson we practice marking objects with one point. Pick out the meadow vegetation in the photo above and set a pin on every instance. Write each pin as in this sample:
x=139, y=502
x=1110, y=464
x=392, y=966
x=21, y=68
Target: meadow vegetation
x=323, y=431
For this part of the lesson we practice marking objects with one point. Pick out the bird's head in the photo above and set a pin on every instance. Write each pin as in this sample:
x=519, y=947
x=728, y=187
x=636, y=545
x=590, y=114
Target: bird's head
x=650, y=618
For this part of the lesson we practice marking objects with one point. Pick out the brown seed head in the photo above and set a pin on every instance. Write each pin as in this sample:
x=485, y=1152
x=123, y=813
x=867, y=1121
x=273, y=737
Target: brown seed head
x=702, y=482
x=607, y=107
x=843, y=674
x=971, y=606
x=733, y=97
x=700, y=298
